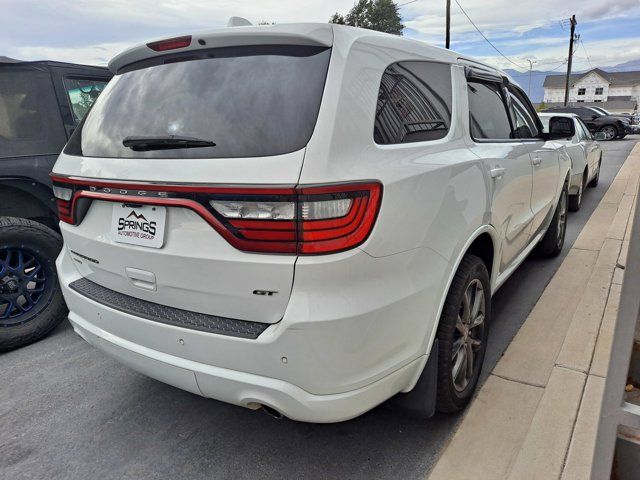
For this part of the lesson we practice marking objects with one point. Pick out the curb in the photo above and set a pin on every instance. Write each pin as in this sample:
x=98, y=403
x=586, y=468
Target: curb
x=536, y=416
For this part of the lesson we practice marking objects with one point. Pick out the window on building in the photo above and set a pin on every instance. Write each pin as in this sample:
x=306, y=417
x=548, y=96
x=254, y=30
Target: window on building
x=599, y=90
x=597, y=100
x=414, y=103
x=488, y=115
x=582, y=91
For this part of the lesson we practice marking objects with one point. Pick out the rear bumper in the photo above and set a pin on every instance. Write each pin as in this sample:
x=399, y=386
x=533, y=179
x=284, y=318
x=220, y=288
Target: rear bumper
x=356, y=332
x=242, y=388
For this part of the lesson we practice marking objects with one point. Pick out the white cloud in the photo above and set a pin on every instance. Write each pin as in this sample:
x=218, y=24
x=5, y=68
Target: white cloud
x=92, y=31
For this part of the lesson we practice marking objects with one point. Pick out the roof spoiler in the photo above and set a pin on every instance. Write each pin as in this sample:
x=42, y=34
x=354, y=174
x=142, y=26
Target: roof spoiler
x=310, y=34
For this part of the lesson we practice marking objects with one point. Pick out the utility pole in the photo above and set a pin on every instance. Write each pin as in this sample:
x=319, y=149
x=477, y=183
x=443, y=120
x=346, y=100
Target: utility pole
x=574, y=22
x=531, y=62
x=448, y=34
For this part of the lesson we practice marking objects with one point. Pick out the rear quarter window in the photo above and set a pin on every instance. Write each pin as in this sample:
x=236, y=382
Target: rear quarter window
x=414, y=103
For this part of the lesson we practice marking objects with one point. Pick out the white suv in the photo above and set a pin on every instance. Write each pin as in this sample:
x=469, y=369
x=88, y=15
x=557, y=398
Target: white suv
x=309, y=218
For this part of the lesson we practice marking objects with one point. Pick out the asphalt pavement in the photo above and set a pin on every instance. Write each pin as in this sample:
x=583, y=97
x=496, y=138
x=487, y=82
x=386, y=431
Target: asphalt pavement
x=67, y=411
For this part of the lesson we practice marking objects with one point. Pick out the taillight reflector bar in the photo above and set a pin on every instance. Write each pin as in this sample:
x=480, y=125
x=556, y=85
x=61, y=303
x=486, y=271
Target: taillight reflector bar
x=304, y=220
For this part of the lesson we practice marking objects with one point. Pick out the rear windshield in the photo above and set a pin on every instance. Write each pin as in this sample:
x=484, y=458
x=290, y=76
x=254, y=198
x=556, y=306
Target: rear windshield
x=249, y=101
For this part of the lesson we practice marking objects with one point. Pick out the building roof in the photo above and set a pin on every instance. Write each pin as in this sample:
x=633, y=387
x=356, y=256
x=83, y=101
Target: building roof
x=614, y=78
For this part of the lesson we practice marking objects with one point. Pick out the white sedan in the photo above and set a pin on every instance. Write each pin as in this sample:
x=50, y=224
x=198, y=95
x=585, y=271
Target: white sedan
x=586, y=157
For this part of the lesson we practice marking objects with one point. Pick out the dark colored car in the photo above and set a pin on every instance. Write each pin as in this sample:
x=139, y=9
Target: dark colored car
x=612, y=126
x=41, y=103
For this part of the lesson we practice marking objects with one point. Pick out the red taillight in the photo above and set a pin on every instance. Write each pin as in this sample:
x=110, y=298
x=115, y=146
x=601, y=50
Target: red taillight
x=314, y=220
x=170, y=43
x=64, y=198
x=334, y=234
x=291, y=220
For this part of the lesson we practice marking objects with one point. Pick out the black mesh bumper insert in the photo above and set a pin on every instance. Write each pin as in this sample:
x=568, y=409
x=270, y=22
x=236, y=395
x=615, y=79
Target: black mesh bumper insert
x=168, y=315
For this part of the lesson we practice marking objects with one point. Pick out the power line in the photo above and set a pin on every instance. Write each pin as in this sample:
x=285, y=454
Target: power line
x=487, y=40
x=586, y=54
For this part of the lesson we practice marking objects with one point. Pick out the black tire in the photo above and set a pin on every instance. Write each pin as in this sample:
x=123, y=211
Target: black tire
x=31, y=303
x=620, y=137
x=610, y=131
x=594, y=181
x=576, y=200
x=453, y=395
x=553, y=240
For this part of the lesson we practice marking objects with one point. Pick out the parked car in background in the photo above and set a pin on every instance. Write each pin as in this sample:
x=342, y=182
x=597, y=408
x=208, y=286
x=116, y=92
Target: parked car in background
x=41, y=103
x=306, y=218
x=585, y=153
x=611, y=126
x=633, y=118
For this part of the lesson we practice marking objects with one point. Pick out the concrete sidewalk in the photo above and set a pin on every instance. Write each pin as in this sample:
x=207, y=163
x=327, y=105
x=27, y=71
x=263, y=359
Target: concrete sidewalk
x=536, y=416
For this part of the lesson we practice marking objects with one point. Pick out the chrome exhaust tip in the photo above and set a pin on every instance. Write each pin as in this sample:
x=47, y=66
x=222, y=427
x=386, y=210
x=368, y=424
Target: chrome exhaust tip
x=272, y=412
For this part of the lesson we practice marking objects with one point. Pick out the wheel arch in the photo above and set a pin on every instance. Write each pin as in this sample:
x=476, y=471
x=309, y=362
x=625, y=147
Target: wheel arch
x=27, y=198
x=483, y=242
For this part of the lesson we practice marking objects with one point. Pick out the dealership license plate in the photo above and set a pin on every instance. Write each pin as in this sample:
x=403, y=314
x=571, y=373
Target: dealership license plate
x=138, y=225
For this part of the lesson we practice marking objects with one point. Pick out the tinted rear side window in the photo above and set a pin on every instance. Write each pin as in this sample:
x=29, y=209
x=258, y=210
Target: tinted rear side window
x=250, y=101
x=82, y=94
x=414, y=103
x=30, y=121
x=488, y=115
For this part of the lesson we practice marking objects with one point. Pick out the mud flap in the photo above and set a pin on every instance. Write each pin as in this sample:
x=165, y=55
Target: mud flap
x=421, y=401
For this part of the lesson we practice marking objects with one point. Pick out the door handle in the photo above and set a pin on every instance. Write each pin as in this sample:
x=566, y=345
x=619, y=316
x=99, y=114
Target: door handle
x=497, y=172
x=536, y=161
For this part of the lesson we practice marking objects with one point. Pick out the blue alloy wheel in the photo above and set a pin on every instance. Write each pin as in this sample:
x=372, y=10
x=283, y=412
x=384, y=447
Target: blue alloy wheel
x=23, y=282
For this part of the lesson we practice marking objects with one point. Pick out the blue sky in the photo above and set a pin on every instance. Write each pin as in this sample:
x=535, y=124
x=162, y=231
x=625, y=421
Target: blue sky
x=90, y=31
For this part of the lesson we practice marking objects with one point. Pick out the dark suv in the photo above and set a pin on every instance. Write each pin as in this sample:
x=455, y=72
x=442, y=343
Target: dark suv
x=41, y=103
x=612, y=126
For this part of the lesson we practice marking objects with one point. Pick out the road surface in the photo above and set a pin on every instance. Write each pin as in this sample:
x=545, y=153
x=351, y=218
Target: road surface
x=67, y=411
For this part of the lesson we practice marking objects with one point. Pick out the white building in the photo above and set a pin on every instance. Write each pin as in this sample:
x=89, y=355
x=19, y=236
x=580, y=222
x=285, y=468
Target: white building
x=615, y=91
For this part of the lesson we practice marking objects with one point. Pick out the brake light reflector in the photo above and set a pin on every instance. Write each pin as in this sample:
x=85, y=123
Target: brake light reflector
x=170, y=43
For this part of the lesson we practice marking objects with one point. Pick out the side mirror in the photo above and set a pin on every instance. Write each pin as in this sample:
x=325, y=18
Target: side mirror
x=600, y=136
x=561, y=128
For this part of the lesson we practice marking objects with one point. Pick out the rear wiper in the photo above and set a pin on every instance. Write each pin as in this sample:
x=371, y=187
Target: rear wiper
x=168, y=142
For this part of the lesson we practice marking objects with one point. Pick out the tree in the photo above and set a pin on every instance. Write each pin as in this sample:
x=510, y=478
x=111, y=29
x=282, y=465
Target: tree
x=541, y=106
x=380, y=15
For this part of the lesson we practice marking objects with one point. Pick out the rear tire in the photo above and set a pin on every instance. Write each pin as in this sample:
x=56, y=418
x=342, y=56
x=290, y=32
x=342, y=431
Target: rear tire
x=576, y=200
x=462, y=335
x=553, y=240
x=31, y=303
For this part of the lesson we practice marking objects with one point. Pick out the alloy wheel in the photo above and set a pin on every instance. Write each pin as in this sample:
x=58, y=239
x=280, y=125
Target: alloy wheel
x=22, y=285
x=609, y=131
x=468, y=336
